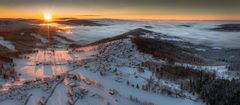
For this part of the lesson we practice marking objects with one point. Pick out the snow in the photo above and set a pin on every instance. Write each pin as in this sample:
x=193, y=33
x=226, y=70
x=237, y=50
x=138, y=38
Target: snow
x=6, y=44
x=200, y=49
x=60, y=40
x=128, y=72
x=42, y=39
x=47, y=63
x=121, y=60
x=59, y=96
x=36, y=94
x=221, y=70
x=9, y=102
x=142, y=95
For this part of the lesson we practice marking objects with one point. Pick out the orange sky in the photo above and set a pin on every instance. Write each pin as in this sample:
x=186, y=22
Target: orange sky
x=121, y=15
x=124, y=9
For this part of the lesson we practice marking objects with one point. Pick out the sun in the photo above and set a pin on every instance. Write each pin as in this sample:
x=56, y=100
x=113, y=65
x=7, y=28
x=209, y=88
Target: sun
x=47, y=16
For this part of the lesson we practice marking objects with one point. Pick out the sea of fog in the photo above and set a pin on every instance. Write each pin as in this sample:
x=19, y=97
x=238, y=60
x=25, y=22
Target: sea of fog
x=197, y=33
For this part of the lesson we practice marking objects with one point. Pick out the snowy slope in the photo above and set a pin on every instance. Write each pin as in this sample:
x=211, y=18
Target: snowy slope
x=7, y=44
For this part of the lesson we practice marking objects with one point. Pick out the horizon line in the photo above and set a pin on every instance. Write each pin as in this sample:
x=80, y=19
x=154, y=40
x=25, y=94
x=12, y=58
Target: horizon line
x=132, y=19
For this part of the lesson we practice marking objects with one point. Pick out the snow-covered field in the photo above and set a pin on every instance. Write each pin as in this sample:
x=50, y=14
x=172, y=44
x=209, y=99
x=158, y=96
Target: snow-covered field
x=49, y=62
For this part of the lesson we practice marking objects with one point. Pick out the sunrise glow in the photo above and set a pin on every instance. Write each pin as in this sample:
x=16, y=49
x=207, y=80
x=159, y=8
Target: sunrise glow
x=47, y=16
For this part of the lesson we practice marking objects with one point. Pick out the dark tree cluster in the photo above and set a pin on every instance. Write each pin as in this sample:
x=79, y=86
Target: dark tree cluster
x=234, y=66
x=165, y=50
x=139, y=102
x=227, y=28
x=211, y=90
x=78, y=22
x=173, y=72
x=217, y=91
x=7, y=73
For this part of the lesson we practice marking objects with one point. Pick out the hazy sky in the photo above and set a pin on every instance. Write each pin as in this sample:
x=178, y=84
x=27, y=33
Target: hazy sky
x=127, y=9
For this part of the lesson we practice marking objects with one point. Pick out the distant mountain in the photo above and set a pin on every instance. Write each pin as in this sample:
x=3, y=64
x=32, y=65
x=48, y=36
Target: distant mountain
x=78, y=22
x=227, y=28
